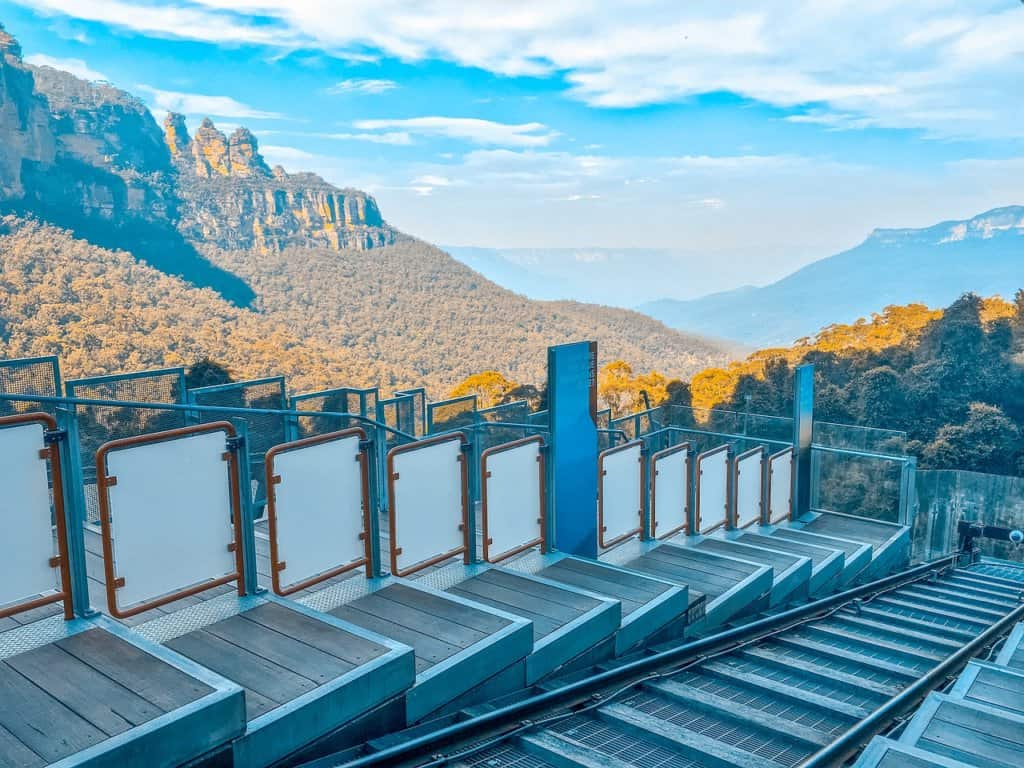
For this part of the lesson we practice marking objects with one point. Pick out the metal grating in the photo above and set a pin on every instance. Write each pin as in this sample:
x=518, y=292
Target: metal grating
x=502, y=756
x=811, y=717
x=795, y=679
x=864, y=648
x=798, y=655
x=764, y=744
x=622, y=747
x=974, y=627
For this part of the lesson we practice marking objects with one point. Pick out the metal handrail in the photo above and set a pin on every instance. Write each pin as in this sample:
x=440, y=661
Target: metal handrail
x=190, y=408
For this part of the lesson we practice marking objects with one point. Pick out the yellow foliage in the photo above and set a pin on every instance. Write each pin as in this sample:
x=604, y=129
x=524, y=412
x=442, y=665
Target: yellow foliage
x=490, y=388
x=623, y=392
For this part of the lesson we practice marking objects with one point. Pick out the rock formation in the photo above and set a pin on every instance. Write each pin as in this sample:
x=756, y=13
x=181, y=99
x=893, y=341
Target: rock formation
x=233, y=199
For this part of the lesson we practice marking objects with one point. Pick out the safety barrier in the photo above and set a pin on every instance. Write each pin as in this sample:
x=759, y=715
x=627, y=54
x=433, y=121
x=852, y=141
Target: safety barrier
x=712, y=490
x=29, y=376
x=362, y=402
x=455, y=413
x=428, y=494
x=318, y=508
x=748, y=488
x=34, y=574
x=418, y=395
x=780, y=486
x=95, y=425
x=670, y=491
x=620, y=495
x=514, y=498
x=170, y=516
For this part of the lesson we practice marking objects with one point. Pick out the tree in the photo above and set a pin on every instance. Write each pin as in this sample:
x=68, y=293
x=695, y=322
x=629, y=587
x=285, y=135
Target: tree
x=490, y=388
x=206, y=373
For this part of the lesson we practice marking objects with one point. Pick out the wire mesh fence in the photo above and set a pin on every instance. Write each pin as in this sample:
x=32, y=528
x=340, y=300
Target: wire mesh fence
x=29, y=376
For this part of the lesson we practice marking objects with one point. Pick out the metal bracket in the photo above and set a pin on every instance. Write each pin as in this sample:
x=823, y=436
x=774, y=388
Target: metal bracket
x=234, y=444
x=365, y=445
x=465, y=447
x=54, y=436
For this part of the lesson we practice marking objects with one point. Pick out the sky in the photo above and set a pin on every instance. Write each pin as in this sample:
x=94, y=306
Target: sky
x=760, y=136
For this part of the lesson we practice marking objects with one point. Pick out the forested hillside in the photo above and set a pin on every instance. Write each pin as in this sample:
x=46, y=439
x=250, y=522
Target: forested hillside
x=952, y=379
x=400, y=316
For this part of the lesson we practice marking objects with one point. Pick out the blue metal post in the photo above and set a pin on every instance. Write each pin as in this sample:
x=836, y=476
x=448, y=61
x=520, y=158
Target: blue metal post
x=378, y=500
x=251, y=574
x=74, y=510
x=572, y=397
x=803, y=430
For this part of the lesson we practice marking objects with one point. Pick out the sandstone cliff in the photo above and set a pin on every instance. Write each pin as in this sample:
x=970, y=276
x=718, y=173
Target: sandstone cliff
x=233, y=199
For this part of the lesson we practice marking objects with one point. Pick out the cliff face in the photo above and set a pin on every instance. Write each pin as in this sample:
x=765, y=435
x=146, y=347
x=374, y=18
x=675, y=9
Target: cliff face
x=233, y=199
x=91, y=158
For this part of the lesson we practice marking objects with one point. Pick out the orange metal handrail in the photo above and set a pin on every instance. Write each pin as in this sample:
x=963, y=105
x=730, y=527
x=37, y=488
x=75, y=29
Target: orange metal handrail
x=734, y=514
x=664, y=453
x=50, y=453
x=700, y=460
x=542, y=520
x=276, y=564
x=601, y=527
x=392, y=514
x=768, y=505
x=103, y=484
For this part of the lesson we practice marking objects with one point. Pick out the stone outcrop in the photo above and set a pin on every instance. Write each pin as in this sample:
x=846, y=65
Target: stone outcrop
x=233, y=199
x=90, y=157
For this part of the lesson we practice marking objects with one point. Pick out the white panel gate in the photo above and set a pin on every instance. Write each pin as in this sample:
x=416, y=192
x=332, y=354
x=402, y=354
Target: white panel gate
x=670, y=491
x=428, y=490
x=317, y=509
x=513, y=498
x=30, y=560
x=620, y=494
x=748, y=488
x=780, y=486
x=169, y=511
x=712, y=489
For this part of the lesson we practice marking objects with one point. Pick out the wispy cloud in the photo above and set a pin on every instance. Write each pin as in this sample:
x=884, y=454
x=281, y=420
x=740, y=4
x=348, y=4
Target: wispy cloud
x=912, y=60
x=361, y=85
x=76, y=67
x=203, y=104
x=281, y=155
x=395, y=138
x=470, y=129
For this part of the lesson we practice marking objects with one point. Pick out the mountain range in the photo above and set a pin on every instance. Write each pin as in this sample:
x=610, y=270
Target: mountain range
x=125, y=244
x=934, y=265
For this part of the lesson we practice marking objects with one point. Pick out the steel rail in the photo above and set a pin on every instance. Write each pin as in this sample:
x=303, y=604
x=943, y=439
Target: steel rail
x=907, y=699
x=511, y=717
x=190, y=408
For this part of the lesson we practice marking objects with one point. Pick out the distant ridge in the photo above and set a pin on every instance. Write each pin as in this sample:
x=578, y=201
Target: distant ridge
x=932, y=265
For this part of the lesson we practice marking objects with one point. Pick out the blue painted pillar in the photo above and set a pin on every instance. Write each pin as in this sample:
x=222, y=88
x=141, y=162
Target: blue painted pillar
x=572, y=405
x=803, y=429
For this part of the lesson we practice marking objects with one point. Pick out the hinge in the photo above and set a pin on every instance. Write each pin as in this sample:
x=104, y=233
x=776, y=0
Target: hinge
x=234, y=444
x=398, y=551
x=365, y=445
x=54, y=562
x=362, y=535
x=487, y=474
x=233, y=547
x=465, y=447
x=275, y=479
x=119, y=582
x=53, y=436
x=280, y=566
x=109, y=481
x=394, y=475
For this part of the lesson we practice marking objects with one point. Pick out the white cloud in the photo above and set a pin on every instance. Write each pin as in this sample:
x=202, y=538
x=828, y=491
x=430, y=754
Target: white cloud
x=280, y=155
x=362, y=85
x=76, y=67
x=714, y=203
x=897, y=63
x=473, y=130
x=433, y=181
x=397, y=138
x=577, y=197
x=202, y=104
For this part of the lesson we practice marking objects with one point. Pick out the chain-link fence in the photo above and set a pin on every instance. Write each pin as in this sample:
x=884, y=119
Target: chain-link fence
x=29, y=376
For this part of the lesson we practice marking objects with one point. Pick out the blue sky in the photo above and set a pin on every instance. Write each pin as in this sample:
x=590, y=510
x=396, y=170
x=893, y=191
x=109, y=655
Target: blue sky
x=762, y=136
